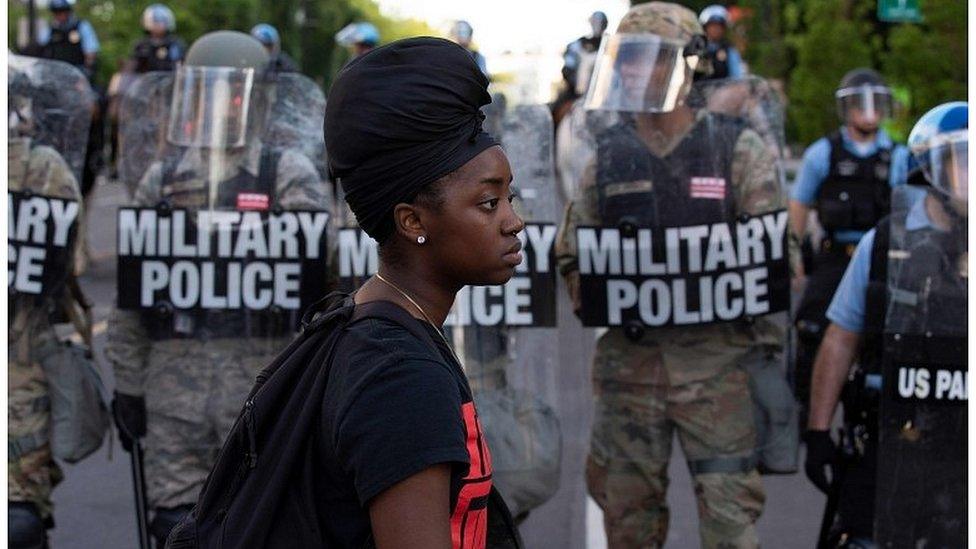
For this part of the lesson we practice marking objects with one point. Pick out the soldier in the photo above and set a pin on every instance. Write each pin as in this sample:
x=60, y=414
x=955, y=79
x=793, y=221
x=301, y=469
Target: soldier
x=462, y=32
x=359, y=37
x=670, y=163
x=578, y=66
x=269, y=37
x=899, y=476
x=847, y=177
x=723, y=57
x=160, y=49
x=182, y=372
x=37, y=168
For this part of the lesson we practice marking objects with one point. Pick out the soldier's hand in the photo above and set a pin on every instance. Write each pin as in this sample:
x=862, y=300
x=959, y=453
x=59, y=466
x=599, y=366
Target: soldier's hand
x=821, y=455
x=129, y=412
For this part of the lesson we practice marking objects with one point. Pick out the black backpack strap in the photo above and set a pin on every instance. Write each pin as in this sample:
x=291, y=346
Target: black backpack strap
x=387, y=310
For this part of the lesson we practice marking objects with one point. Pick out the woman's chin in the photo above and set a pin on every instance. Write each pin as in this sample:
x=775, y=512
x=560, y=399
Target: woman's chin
x=496, y=277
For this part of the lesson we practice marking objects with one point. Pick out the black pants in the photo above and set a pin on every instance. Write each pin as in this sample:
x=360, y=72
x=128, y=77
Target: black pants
x=811, y=316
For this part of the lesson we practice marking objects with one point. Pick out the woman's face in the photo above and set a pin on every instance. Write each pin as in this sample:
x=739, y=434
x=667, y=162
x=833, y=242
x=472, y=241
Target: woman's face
x=472, y=236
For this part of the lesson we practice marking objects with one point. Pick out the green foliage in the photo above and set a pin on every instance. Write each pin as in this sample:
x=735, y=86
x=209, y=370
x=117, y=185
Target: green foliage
x=307, y=27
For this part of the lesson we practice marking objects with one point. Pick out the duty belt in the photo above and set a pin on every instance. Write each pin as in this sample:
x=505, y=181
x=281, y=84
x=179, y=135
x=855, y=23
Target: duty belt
x=828, y=246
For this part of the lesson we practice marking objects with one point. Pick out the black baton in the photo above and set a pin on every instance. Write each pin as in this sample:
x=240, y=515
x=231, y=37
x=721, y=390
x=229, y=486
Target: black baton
x=139, y=485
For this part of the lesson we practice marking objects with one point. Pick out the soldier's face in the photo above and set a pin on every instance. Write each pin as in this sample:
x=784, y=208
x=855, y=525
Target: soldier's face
x=714, y=31
x=865, y=122
x=472, y=234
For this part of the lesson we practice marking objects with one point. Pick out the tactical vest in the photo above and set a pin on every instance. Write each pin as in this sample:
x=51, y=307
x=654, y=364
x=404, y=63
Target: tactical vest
x=856, y=193
x=65, y=44
x=150, y=56
x=634, y=186
x=719, y=57
x=164, y=323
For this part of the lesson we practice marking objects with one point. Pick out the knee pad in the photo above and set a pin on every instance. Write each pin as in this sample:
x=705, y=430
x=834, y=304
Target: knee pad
x=25, y=529
x=164, y=520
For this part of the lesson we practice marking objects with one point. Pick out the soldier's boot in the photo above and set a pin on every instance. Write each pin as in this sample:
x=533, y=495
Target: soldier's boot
x=164, y=520
x=25, y=528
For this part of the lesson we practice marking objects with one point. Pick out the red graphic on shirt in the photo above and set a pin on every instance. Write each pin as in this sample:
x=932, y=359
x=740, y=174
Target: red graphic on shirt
x=469, y=522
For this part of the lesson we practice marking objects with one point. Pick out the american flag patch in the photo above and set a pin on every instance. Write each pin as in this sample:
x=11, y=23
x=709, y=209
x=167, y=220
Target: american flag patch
x=708, y=187
x=252, y=201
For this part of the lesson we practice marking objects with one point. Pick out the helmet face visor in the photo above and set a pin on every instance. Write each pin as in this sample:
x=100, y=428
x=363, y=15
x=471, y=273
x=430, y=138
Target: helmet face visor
x=945, y=164
x=640, y=73
x=210, y=106
x=869, y=104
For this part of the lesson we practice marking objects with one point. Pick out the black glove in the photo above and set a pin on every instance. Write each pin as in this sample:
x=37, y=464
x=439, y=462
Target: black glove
x=821, y=454
x=129, y=412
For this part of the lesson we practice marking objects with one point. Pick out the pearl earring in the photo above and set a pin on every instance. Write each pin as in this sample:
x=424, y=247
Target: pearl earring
x=421, y=239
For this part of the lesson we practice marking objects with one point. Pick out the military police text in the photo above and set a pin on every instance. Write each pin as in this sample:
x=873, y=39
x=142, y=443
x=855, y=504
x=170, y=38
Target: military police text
x=218, y=259
x=705, y=273
x=38, y=227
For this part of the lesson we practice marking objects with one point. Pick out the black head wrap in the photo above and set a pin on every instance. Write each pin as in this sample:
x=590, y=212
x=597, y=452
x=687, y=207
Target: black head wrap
x=399, y=118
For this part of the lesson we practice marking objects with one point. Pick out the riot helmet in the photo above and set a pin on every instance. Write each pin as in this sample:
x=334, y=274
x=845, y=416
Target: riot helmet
x=158, y=19
x=57, y=6
x=714, y=20
x=359, y=33
x=213, y=92
x=648, y=64
x=939, y=144
x=462, y=32
x=267, y=35
x=863, y=99
x=598, y=23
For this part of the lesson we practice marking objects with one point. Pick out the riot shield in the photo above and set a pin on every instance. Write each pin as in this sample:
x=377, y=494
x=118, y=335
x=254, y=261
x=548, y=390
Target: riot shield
x=922, y=457
x=507, y=335
x=145, y=110
x=680, y=234
x=227, y=242
x=54, y=103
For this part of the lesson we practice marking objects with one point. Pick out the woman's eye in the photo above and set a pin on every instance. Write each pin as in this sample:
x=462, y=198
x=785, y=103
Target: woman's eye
x=512, y=197
x=490, y=204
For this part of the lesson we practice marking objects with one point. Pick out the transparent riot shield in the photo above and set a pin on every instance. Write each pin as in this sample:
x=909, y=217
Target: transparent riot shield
x=145, y=111
x=507, y=335
x=922, y=457
x=224, y=242
x=51, y=102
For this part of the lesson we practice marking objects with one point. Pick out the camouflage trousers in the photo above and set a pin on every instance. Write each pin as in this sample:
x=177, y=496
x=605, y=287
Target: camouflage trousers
x=194, y=393
x=634, y=425
x=31, y=470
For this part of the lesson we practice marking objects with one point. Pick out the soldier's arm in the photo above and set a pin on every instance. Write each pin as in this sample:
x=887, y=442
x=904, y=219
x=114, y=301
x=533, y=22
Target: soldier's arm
x=579, y=211
x=757, y=186
x=127, y=349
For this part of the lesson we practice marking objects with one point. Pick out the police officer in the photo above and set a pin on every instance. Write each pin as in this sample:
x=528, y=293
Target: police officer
x=269, y=37
x=69, y=39
x=847, y=178
x=360, y=37
x=181, y=378
x=691, y=380
x=724, y=58
x=32, y=472
x=160, y=49
x=866, y=306
x=578, y=61
x=462, y=32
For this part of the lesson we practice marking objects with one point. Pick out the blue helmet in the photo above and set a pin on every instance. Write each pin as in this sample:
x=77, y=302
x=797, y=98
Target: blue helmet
x=61, y=5
x=714, y=14
x=939, y=143
x=361, y=32
x=158, y=14
x=267, y=35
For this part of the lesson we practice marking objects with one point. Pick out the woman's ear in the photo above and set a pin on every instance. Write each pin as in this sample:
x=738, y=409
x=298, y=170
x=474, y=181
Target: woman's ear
x=408, y=222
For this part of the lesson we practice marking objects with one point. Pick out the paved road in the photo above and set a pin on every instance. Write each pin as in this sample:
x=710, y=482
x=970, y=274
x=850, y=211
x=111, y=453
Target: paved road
x=94, y=504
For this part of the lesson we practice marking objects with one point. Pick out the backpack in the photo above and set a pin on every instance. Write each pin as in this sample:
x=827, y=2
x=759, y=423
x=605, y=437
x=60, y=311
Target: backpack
x=254, y=496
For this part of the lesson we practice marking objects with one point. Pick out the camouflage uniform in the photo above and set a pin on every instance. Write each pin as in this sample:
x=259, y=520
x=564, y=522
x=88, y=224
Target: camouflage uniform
x=688, y=379
x=31, y=471
x=194, y=388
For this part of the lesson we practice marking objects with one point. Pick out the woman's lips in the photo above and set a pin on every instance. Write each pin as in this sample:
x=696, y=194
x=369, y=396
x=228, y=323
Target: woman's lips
x=514, y=255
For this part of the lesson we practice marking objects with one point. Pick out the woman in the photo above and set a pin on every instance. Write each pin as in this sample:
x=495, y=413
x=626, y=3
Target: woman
x=405, y=463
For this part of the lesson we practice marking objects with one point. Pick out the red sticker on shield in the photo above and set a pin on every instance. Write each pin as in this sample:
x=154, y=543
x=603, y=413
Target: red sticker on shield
x=252, y=201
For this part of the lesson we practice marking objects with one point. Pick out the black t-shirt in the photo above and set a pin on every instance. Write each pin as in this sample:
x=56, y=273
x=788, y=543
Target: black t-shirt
x=393, y=407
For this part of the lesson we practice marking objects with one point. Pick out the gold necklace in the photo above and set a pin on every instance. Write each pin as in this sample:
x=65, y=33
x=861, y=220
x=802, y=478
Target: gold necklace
x=423, y=312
